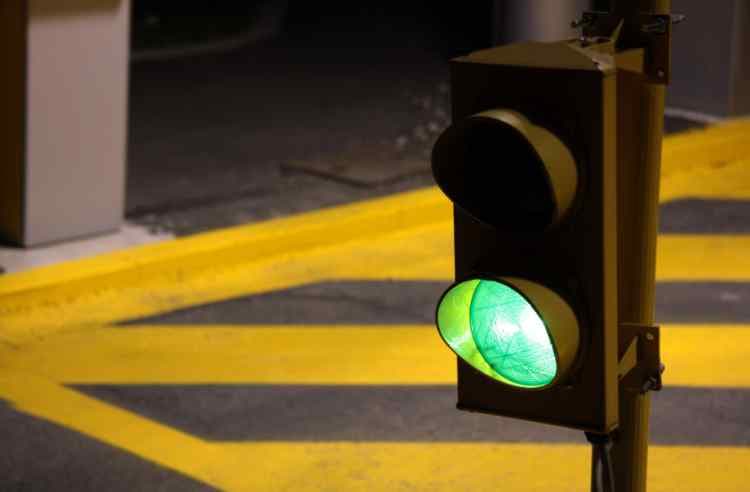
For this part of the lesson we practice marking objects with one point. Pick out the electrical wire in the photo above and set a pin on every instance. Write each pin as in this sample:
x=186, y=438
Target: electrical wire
x=602, y=474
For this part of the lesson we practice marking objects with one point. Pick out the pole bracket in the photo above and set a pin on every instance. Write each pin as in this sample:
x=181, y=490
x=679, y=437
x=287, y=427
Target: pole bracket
x=644, y=30
x=640, y=366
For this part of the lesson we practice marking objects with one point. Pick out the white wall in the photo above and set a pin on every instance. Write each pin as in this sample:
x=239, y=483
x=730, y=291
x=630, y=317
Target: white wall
x=76, y=118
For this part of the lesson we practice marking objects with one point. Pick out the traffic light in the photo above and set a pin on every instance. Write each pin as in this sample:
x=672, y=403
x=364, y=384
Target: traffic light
x=530, y=165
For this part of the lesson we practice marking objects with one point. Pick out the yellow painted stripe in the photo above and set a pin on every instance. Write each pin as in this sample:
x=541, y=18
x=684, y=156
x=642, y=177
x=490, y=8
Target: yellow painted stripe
x=724, y=180
x=708, y=163
x=703, y=258
x=307, y=355
x=419, y=253
x=368, y=467
x=416, y=253
x=157, y=443
x=709, y=147
x=710, y=356
x=402, y=236
x=463, y=466
x=708, y=151
x=274, y=238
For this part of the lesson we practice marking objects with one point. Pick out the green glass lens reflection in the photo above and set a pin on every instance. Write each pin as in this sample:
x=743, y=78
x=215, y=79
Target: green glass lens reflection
x=495, y=329
x=511, y=336
x=453, y=322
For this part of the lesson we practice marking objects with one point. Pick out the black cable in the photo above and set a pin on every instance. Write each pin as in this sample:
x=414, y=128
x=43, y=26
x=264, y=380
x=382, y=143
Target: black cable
x=602, y=474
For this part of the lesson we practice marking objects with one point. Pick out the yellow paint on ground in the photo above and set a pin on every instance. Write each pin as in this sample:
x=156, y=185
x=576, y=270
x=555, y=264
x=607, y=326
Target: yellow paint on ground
x=235, y=245
x=45, y=399
x=723, y=180
x=708, y=163
x=372, y=466
x=687, y=151
x=703, y=258
x=381, y=234
x=50, y=323
x=216, y=354
x=704, y=356
x=414, y=253
x=418, y=253
x=402, y=236
x=469, y=466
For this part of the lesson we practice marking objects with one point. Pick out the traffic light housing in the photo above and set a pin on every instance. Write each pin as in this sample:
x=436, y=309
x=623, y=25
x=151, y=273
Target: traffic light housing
x=530, y=165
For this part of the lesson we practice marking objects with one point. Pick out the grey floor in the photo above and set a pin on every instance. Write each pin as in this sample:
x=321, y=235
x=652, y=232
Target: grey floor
x=336, y=108
x=340, y=106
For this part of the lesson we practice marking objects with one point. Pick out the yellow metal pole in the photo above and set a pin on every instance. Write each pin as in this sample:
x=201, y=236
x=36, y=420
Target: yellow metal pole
x=640, y=131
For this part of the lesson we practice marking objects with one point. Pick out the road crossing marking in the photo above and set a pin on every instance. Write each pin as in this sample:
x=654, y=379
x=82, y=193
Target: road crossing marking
x=423, y=253
x=696, y=355
x=54, y=331
x=401, y=236
x=350, y=466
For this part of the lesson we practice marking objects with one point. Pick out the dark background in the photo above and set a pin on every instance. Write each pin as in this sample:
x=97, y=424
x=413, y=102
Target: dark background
x=340, y=102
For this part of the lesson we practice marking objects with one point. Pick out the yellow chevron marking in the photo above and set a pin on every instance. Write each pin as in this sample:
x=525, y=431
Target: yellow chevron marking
x=301, y=466
x=708, y=355
x=708, y=163
x=469, y=466
x=417, y=253
x=403, y=236
x=703, y=258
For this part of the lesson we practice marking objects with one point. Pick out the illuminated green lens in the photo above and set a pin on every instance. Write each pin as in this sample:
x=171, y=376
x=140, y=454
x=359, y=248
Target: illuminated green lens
x=494, y=328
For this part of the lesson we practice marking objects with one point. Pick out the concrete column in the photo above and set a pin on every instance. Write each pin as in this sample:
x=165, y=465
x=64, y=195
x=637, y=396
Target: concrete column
x=536, y=20
x=63, y=124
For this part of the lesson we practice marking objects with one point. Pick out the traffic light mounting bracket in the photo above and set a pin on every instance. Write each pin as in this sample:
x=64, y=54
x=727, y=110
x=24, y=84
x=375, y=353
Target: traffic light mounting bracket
x=647, y=32
x=640, y=366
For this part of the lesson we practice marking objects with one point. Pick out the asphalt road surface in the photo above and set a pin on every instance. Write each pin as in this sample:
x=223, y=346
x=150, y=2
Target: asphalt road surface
x=294, y=355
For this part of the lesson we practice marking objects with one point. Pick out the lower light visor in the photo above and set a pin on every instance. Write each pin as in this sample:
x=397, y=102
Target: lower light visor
x=512, y=330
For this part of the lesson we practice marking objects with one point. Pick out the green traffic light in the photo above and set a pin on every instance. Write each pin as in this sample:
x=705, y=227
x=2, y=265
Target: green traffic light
x=494, y=328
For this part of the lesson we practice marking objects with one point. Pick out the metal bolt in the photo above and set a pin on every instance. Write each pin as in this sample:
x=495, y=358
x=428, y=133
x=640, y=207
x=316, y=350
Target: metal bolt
x=678, y=18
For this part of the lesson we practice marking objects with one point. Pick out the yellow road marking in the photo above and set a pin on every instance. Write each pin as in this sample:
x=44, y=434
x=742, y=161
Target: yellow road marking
x=709, y=356
x=719, y=148
x=402, y=236
x=703, y=258
x=707, y=163
x=424, y=252
x=705, y=356
x=416, y=253
x=724, y=180
x=368, y=466
x=236, y=245
x=406, y=236
x=305, y=355
x=688, y=151
x=469, y=466
x=160, y=444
